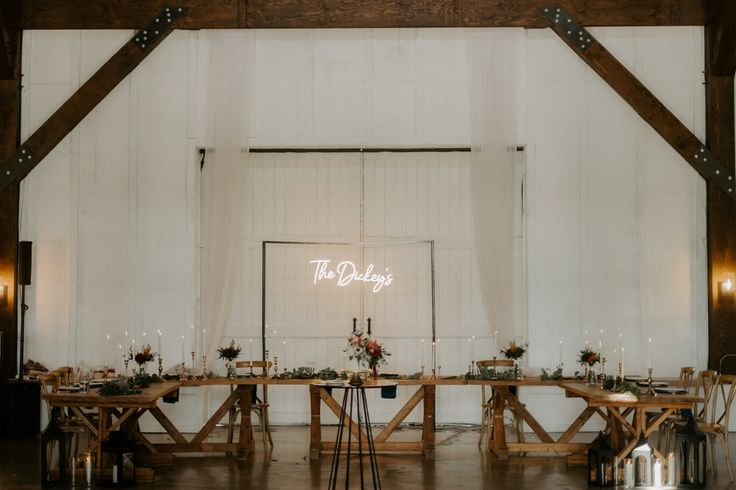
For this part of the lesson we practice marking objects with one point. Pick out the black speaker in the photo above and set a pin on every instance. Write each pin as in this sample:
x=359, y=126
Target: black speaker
x=24, y=262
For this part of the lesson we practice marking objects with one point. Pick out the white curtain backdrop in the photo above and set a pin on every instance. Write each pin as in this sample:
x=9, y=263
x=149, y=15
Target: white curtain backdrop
x=223, y=179
x=494, y=59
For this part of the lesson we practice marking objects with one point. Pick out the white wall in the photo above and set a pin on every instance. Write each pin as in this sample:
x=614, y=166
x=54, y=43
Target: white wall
x=615, y=218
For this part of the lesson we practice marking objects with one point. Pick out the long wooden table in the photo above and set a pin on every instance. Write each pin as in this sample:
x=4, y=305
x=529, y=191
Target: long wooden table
x=624, y=433
x=126, y=409
x=613, y=408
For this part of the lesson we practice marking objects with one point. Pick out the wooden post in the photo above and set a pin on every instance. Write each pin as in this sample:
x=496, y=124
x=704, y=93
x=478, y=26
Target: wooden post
x=9, y=137
x=719, y=124
x=315, y=432
x=428, y=422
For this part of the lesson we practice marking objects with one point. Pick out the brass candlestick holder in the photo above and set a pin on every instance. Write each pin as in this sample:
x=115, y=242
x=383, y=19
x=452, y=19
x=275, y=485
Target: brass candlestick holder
x=126, y=361
x=160, y=367
x=204, y=366
x=275, y=366
x=620, y=377
x=107, y=369
x=650, y=391
x=603, y=371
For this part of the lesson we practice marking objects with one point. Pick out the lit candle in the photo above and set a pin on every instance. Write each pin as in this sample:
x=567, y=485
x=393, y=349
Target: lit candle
x=250, y=349
x=658, y=473
x=629, y=473
x=671, y=481
x=649, y=353
x=204, y=342
x=159, y=344
x=560, y=364
x=495, y=343
x=470, y=356
x=472, y=348
x=115, y=473
x=107, y=352
x=183, y=350
x=88, y=468
x=421, y=354
x=194, y=339
x=623, y=373
x=586, y=339
x=434, y=355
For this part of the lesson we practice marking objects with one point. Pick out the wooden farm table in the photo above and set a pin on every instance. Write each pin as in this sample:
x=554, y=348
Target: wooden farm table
x=619, y=406
x=125, y=408
x=424, y=393
x=320, y=393
x=503, y=395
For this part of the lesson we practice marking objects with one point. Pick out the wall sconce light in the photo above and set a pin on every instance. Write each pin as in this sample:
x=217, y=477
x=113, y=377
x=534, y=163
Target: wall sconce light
x=726, y=289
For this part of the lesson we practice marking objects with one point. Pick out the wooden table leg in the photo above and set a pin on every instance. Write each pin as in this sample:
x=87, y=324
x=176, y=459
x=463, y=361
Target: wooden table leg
x=102, y=424
x=428, y=427
x=497, y=441
x=315, y=429
x=245, y=438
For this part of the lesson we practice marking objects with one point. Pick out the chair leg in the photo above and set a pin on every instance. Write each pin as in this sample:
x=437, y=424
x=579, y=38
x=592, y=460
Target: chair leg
x=231, y=425
x=267, y=426
x=724, y=441
x=483, y=425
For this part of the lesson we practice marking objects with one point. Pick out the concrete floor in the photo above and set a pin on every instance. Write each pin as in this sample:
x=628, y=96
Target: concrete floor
x=458, y=465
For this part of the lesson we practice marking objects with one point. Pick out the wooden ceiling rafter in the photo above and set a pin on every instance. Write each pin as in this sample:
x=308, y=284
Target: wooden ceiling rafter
x=87, y=96
x=313, y=14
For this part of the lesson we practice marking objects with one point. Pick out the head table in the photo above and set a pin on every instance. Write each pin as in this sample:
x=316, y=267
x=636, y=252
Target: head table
x=625, y=415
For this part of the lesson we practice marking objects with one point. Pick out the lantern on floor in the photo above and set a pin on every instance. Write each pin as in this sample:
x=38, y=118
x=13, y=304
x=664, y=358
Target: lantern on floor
x=53, y=436
x=690, y=445
x=121, y=460
x=601, y=462
x=642, y=456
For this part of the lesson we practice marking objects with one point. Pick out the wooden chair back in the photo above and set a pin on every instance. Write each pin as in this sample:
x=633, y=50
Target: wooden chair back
x=704, y=386
x=726, y=388
x=48, y=382
x=265, y=367
x=686, y=377
x=489, y=363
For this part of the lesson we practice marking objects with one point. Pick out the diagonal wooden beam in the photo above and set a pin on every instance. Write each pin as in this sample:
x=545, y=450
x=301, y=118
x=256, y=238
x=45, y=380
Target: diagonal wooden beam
x=311, y=14
x=86, y=98
x=722, y=53
x=643, y=101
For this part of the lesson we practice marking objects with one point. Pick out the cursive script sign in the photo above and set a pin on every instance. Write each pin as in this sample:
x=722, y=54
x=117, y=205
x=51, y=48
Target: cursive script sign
x=346, y=272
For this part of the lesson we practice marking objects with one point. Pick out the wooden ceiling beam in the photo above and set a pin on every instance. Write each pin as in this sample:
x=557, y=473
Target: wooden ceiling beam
x=256, y=14
x=86, y=98
x=642, y=100
x=722, y=53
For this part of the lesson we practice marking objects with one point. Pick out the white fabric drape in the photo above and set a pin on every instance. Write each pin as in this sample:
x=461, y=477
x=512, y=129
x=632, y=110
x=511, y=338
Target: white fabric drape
x=494, y=61
x=223, y=178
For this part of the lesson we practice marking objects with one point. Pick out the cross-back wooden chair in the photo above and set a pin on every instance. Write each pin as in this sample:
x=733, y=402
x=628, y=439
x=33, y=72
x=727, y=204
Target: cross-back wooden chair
x=259, y=405
x=49, y=383
x=486, y=421
x=715, y=425
x=684, y=381
x=704, y=385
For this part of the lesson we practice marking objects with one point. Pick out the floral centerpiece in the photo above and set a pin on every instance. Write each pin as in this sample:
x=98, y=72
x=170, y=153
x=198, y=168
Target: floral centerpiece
x=143, y=357
x=229, y=353
x=368, y=351
x=588, y=358
x=514, y=351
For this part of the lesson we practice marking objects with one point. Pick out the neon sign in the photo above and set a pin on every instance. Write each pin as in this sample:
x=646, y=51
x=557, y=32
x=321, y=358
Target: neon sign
x=345, y=272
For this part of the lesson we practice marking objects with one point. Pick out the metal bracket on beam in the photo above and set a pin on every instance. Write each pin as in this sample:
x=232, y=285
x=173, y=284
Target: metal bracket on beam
x=146, y=37
x=571, y=29
x=715, y=170
x=15, y=164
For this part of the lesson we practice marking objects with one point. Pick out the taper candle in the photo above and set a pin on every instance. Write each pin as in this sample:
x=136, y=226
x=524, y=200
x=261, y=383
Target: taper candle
x=649, y=353
x=183, y=351
x=204, y=342
x=560, y=364
x=107, y=352
x=159, y=343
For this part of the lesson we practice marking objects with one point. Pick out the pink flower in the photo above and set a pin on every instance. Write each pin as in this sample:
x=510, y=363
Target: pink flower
x=374, y=348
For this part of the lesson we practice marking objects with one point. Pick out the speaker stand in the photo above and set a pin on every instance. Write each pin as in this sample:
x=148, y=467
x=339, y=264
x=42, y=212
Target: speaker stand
x=23, y=309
